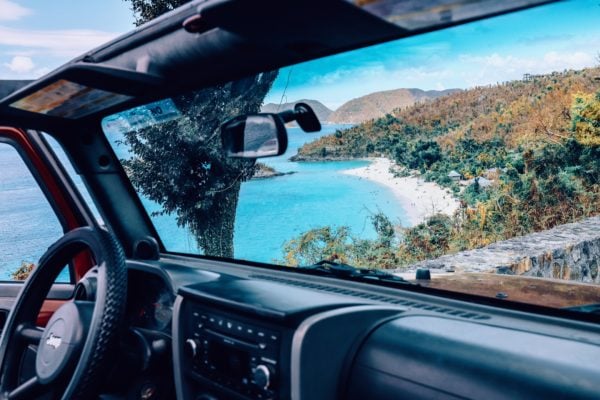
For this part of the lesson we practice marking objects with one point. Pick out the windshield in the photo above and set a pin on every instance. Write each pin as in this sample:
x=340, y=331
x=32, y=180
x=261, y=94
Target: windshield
x=470, y=152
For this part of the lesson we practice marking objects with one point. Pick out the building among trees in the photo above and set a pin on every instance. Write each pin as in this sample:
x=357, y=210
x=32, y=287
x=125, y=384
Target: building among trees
x=454, y=175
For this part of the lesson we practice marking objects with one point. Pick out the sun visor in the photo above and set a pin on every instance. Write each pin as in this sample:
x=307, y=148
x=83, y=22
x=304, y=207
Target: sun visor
x=78, y=91
x=434, y=14
x=68, y=99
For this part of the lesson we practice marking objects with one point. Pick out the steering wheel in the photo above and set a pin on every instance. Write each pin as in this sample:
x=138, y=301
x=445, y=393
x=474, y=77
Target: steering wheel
x=76, y=343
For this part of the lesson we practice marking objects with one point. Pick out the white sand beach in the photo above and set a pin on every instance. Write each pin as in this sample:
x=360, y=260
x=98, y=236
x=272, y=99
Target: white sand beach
x=418, y=198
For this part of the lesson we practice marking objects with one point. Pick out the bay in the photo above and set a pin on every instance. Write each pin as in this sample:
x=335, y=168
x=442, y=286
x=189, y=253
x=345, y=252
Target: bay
x=270, y=211
x=275, y=210
x=28, y=226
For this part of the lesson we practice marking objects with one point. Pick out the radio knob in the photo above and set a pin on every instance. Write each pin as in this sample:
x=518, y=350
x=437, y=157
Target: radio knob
x=262, y=376
x=192, y=348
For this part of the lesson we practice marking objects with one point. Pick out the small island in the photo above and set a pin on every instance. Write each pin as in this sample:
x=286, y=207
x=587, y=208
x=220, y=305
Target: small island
x=264, y=171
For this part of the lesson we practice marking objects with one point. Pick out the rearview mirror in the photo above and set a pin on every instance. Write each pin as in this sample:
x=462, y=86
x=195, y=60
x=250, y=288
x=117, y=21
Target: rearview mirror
x=265, y=135
x=304, y=116
x=254, y=136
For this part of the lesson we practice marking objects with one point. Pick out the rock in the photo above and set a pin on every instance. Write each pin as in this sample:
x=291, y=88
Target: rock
x=265, y=172
x=567, y=252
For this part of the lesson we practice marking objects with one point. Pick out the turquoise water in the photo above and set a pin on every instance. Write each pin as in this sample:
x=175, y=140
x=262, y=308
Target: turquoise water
x=270, y=211
x=273, y=211
x=27, y=223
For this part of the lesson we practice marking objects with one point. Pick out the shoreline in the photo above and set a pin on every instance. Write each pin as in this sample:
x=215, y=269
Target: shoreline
x=418, y=198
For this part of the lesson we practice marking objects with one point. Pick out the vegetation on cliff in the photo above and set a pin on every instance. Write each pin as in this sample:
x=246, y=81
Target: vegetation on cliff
x=264, y=171
x=537, y=142
x=23, y=272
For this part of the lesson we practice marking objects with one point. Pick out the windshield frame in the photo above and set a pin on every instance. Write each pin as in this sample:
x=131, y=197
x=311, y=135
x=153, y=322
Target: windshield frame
x=227, y=259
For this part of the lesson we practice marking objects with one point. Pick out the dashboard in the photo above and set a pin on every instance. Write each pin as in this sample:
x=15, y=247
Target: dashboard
x=242, y=333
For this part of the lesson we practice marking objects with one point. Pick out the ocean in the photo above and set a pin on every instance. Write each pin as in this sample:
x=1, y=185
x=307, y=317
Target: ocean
x=27, y=223
x=270, y=212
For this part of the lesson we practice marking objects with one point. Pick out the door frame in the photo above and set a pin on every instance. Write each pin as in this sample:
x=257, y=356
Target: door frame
x=66, y=203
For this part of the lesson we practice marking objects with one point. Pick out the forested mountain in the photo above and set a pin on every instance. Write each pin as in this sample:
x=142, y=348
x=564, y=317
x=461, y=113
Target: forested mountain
x=537, y=141
x=517, y=113
x=378, y=104
x=319, y=108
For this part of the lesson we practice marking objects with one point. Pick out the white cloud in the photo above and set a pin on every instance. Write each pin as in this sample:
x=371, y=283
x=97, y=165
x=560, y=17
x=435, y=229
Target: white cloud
x=20, y=64
x=61, y=43
x=550, y=61
x=41, y=71
x=483, y=70
x=497, y=61
x=574, y=60
x=11, y=11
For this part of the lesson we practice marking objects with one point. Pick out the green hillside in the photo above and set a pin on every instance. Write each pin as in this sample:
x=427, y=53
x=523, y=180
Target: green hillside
x=536, y=142
x=517, y=113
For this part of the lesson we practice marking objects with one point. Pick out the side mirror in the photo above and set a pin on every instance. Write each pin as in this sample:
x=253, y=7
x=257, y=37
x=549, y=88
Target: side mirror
x=265, y=135
x=254, y=136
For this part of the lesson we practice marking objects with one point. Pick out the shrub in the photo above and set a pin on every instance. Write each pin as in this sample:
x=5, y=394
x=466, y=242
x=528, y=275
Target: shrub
x=23, y=272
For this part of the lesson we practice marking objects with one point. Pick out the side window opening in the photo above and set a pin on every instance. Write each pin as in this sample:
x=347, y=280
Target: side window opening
x=28, y=224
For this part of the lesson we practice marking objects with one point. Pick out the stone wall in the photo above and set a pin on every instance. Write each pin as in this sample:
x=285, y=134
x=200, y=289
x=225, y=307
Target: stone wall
x=570, y=251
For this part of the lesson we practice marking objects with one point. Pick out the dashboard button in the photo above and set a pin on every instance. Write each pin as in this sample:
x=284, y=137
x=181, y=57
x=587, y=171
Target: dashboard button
x=262, y=376
x=192, y=348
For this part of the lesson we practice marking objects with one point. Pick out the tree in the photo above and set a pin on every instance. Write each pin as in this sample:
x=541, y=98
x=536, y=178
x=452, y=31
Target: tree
x=586, y=118
x=145, y=10
x=180, y=164
x=338, y=244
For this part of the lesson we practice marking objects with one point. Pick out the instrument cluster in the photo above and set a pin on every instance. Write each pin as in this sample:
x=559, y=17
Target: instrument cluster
x=150, y=302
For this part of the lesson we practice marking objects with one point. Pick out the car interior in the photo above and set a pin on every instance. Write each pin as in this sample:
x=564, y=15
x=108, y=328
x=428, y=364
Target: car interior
x=136, y=321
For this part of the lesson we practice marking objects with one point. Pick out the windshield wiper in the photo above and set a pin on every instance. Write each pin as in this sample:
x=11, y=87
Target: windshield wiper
x=341, y=270
x=593, y=308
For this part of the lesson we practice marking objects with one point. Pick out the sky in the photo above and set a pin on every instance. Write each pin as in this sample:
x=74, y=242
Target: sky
x=37, y=36
x=550, y=38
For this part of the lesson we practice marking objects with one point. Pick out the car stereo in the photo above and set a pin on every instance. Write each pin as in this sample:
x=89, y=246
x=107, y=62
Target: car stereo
x=236, y=355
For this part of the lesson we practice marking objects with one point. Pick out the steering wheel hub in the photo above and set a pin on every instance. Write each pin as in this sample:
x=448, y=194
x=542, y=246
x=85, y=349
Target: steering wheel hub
x=62, y=340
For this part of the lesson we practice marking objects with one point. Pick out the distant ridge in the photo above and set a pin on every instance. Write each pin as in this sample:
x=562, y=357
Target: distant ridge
x=319, y=108
x=9, y=86
x=377, y=104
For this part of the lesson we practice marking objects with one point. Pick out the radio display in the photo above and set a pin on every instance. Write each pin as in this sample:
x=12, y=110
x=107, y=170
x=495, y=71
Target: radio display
x=229, y=360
